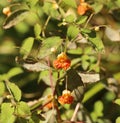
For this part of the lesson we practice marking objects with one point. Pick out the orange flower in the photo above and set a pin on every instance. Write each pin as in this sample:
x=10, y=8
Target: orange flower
x=57, y=64
x=49, y=105
x=62, y=62
x=6, y=11
x=66, y=98
x=83, y=8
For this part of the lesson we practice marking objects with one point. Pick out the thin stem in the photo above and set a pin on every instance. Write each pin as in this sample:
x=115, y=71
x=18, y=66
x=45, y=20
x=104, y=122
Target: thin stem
x=51, y=81
x=66, y=43
x=56, y=106
x=75, y=112
x=99, y=58
x=50, y=76
x=12, y=99
x=45, y=25
x=58, y=115
x=66, y=85
x=88, y=20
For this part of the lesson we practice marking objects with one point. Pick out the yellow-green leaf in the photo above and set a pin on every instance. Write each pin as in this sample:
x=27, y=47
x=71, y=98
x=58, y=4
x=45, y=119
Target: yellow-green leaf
x=15, y=91
x=72, y=31
x=15, y=18
x=27, y=46
x=6, y=115
x=81, y=19
x=117, y=101
x=2, y=88
x=37, y=30
x=14, y=71
x=71, y=3
x=23, y=110
x=117, y=120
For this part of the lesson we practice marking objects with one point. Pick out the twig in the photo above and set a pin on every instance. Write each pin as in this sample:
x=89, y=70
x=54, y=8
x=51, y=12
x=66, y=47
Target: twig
x=50, y=76
x=88, y=20
x=75, y=112
x=45, y=25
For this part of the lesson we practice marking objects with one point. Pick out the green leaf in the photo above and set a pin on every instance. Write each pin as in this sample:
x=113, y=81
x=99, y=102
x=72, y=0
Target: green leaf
x=117, y=2
x=48, y=43
x=75, y=84
x=15, y=18
x=77, y=51
x=15, y=91
x=6, y=115
x=76, y=62
x=50, y=10
x=85, y=65
x=94, y=90
x=85, y=62
x=98, y=111
x=32, y=2
x=81, y=19
x=71, y=3
x=14, y=71
x=88, y=50
x=96, y=41
x=27, y=46
x=85, y=30
x=110, y=96
x=22, y=28
x=117, y=101
x=23, y=110
x=97, y=7
x=117, y=120
x=94, y=67
x=3, y=77
x=98, y=108
x=72, y=31
x=37, y=30
x=2, y=88
x=117, y=76
x=70, y=18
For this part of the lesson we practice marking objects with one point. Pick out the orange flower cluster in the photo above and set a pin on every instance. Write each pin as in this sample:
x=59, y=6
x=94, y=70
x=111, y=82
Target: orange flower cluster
x=83, y=7
x=6, y=11
x=62, y=62
x=66, y=98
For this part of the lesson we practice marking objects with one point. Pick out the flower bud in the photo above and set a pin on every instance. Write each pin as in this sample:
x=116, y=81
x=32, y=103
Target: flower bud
x=97, y=28
x=6, y=11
